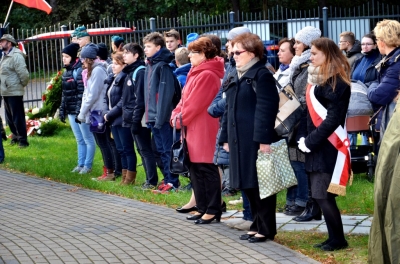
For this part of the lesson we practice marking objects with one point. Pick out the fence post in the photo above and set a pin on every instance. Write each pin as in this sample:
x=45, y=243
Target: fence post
x=325, y=21
x=65, y=40
x=153, y=24
x=232, y=19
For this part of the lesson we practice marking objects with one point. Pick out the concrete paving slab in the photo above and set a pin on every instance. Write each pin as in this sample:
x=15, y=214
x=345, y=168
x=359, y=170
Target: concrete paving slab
x=366, y=222
x=346, y=229
x=297, y=227
x=362, y=230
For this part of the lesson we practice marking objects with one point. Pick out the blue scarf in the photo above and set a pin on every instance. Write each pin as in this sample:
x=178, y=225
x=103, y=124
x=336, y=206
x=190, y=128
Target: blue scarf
x=283, y=67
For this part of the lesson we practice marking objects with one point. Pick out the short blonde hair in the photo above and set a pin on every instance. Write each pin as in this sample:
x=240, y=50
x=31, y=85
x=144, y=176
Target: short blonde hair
x=349, y=36
x=182, y=55
x=388, y=31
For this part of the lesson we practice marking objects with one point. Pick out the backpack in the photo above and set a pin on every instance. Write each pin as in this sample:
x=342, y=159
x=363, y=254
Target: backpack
x=135, y=73
x=177, y=88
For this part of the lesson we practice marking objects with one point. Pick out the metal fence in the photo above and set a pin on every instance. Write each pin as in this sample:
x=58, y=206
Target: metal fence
x=44, y=56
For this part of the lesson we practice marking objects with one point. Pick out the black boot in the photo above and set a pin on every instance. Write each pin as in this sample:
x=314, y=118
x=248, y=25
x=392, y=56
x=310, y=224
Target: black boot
x=312, y=211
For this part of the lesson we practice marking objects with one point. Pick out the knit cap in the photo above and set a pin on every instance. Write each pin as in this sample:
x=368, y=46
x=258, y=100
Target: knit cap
x=236, y=32
x=89, y=51
x=71, y=50
x=102, y=52
x=191, y=37
x=117, y=40
x=307, y=35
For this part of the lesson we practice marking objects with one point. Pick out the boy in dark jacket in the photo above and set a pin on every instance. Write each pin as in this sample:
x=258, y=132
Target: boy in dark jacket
x=159, y=92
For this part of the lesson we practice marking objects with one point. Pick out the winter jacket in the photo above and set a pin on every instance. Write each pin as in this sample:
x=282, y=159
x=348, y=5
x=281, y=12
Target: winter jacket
x=368, y=72
x=323, y=155
x=384, y=234
x=133, y=95
x=114, y=114
x=159, y=88
x=93, y=96
x=203, y=82
x=14, y=75
x=386, y=89
x=248, y=121
x=354, y=53
x=182, y=72
x=72, y=90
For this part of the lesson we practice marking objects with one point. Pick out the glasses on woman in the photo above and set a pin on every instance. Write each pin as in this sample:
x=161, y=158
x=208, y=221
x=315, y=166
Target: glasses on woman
x=237, y=53
x=367, y=44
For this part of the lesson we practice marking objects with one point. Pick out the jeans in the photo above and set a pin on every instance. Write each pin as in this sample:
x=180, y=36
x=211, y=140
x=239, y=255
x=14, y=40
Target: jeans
x=85, y=141
x=298, y=194
x=109, y=152
x=246, y=208
x=15, y=117
x=163, y=140
x=124, y=143
x=2, y=154
x=143, y=145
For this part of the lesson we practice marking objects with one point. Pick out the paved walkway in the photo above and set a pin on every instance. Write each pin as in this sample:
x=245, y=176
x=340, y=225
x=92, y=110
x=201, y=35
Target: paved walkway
x=48, y=222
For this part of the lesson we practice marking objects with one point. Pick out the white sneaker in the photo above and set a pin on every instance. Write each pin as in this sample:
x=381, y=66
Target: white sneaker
x=234, y=221
x=235, y=202
x=85, y=170
x=77, y=169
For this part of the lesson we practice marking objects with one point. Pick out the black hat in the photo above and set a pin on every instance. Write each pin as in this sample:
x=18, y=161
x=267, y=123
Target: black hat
x=71, y=50
x=103, y=51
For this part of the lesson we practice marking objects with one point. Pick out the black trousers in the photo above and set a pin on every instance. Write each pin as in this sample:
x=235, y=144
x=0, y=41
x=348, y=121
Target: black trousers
x=206, y=184
x=263, y=210
x=15, y=117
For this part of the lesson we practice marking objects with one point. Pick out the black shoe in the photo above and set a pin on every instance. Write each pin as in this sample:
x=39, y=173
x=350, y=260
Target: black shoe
x=319, y=245
x=13, y=142
x=223, y=206
x=23, y=144
x=186, y=210
x=246, y=236
x=311, y=212
x=202, y=221
x=3, y=135
x=255, y=239
x=294, y=210
x=334, y=245
x=194, y=217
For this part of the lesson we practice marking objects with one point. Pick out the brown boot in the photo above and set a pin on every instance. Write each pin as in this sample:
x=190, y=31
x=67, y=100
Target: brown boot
x=123, y=176
x=110, y=176
x=130, y=177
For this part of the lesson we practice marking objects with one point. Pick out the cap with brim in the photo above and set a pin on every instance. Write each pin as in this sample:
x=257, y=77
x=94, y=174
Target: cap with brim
x=10, y=38
x=82, y=34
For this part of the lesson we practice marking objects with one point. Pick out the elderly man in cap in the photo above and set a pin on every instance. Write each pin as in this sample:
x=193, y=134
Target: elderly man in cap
x=14, y=76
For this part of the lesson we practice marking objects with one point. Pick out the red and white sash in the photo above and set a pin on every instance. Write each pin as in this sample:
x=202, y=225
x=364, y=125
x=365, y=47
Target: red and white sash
x=338, y=139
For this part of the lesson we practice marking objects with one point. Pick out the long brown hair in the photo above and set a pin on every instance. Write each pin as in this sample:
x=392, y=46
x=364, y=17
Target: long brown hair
x=90, y=63
x=336, y=64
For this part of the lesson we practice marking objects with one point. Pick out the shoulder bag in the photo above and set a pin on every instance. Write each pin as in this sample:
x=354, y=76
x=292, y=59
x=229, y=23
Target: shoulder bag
x=97, y=122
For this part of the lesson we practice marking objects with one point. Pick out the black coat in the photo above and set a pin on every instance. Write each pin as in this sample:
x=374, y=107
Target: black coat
x=113, y=102
x=249, y=120
x=323, y=155
x=72, y=90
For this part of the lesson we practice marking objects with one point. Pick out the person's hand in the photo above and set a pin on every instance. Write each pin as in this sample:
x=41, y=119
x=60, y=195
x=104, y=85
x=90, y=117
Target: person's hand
x=77, y=120
x=302, y=145
x=226, y=147
x=62, y=119
x=135, y=128
x=265, y=148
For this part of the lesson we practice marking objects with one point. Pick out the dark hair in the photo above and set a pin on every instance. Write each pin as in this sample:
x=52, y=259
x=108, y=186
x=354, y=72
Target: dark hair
x=370, y=36
x=251, y=43
x=204, y=45
x=117, y=56
x=172, y=33
x=216, y=41
x=291, y=44
x=155, y=38
x=134, y=48
x=336, y=64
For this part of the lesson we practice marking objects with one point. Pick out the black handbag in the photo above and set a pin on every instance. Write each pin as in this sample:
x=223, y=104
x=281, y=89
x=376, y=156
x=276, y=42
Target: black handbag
x=97, y=122
x=179, y=160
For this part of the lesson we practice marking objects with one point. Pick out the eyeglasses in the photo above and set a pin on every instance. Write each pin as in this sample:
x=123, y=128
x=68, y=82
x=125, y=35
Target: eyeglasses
x=237, y=53
x=367, y=44
x=194, y=52
x=342, y=41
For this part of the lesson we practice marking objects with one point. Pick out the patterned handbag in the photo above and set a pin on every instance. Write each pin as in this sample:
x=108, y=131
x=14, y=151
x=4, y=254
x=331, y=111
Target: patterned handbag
x=274, y=170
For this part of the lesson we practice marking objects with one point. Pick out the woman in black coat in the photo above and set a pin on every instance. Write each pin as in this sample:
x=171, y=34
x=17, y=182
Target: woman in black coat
x=323, y=137
x=248, y=126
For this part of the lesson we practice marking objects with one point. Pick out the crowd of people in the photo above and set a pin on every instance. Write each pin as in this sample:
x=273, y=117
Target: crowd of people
x=228, y=103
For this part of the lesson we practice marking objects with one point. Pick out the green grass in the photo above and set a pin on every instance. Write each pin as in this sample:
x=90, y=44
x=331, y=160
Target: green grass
x=54, y=157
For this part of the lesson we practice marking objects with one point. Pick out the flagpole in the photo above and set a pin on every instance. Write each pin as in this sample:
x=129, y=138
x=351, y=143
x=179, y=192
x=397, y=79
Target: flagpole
x=8, y=13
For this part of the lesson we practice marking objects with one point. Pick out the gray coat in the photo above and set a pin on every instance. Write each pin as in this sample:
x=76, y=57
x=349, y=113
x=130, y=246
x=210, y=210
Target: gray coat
x=14, y=75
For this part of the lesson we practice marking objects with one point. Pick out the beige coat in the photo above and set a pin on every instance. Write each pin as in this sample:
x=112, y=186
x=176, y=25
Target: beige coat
x=14, y=75
x=384, y=239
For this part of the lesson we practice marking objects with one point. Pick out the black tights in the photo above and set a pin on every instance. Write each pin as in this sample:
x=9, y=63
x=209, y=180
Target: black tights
x=332, y=218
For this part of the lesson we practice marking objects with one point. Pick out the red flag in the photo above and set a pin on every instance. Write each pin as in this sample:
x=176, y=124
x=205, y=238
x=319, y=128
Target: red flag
x=38, y=4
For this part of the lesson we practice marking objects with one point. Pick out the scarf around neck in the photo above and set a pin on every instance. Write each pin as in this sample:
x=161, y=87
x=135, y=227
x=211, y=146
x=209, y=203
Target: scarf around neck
x=314, y=77
x=242, y=70
x=298, y=60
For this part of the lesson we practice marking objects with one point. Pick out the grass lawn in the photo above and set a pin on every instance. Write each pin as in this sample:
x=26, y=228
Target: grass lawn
x=54, y=157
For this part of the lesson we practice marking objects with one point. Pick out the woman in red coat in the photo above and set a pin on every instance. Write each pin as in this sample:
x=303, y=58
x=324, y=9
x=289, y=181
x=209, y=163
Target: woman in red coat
x=202, y=85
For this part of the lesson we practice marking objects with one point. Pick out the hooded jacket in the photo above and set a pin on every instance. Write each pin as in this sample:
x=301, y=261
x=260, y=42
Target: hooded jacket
x=93, y=96
x=159, y=88
x=113, y=100
x=72, y=90
x=354, y=53
x=14, y=75
x=203, y=83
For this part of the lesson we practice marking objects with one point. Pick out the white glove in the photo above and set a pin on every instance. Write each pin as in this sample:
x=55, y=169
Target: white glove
x=302, y=146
